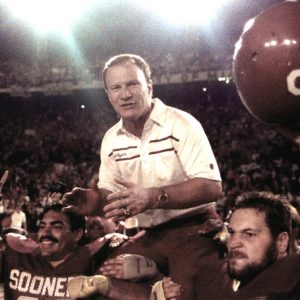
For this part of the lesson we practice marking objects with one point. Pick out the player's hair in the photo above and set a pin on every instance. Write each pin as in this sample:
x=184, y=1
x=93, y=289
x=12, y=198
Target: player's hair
x=276, y=209
x=76, y=220
x=125, y=58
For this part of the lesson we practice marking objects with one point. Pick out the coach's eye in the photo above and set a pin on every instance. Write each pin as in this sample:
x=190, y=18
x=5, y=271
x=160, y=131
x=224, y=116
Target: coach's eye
x=133, y=83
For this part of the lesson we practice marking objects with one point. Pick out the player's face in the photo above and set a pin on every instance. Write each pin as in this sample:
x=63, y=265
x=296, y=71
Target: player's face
x=98, y=227
x=94, y=228
x=128, y=91
x=251, y=246
x=55, y=238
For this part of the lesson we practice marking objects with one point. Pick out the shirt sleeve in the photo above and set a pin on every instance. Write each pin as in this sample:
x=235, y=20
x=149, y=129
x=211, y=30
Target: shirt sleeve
x=195, y=151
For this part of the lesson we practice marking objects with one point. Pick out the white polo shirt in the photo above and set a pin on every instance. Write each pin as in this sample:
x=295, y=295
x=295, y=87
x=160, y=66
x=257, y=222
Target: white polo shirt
x=173, y=148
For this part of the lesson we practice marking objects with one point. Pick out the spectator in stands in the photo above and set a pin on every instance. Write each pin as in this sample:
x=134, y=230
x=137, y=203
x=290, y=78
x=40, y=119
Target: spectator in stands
x=18, y=218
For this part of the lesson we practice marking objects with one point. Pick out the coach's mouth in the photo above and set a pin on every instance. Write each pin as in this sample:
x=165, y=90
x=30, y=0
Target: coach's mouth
x=127, y=105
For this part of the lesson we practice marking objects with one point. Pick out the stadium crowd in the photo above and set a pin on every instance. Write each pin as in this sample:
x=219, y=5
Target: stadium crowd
x=50, y=144
x=56, y=139
x=186, y=65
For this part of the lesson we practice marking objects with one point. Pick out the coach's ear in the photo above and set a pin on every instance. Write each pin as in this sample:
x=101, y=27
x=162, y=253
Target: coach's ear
x=282, y=243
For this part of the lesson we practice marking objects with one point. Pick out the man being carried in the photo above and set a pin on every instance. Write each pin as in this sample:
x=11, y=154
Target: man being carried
x=157, y=171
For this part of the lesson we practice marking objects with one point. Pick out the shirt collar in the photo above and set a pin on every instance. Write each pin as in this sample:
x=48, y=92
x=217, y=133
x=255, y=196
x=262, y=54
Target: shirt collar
x=156, y=116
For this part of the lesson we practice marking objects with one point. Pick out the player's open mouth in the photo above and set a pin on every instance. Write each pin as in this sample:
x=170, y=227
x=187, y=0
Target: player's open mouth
x=236, y=255
x=47, y=245
x=47, y=242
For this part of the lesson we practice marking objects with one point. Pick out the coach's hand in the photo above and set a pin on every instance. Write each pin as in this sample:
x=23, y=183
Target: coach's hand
x=130, y=201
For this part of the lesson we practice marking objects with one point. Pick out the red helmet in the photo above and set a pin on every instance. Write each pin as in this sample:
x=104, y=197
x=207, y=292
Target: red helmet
x=266, y=67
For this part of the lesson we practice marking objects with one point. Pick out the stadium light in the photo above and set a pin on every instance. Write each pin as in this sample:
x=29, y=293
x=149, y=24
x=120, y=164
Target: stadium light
x=49, y=15
x=188, y=12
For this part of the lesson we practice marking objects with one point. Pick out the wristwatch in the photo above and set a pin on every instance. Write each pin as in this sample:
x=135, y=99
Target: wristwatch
x=162, y=198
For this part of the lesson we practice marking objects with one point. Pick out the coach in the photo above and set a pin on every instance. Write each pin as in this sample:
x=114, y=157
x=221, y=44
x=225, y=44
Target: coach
x=157, y=171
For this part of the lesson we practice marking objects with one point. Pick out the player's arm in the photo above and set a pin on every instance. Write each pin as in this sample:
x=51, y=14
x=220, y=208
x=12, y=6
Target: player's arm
x=128, y=272
x=3, y=179
x=96, y=245
x=20, y=243
x=112, y=288
x=2, y=247
x=131, y=267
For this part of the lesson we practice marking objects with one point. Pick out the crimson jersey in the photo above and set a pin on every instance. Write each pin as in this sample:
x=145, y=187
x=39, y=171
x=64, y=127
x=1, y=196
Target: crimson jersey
x=280, y=281
x=31, y=277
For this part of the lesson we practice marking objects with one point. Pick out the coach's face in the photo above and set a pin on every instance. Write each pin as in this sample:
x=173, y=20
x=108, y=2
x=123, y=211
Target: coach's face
x=55, y=237
x=129, y=92
x=251, y=246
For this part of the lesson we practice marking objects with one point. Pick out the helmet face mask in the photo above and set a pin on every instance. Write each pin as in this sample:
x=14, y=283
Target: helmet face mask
x=266, y=68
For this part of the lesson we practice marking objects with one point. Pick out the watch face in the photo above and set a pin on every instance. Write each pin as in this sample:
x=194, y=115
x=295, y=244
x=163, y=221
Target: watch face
x=163, y=198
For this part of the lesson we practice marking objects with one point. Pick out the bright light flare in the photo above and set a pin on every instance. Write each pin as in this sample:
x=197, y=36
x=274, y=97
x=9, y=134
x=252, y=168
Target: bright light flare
x=188, y=12
x=49, y=16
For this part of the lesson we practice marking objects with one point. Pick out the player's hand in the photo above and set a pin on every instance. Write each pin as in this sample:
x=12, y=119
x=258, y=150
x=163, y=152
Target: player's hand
x=54, y=197
x=113, y=268
x=3, y=179
x=130, y=201
x=87, y=202
x=129, y=267
x=172, y=290
x=211, y=226
x=166, y=289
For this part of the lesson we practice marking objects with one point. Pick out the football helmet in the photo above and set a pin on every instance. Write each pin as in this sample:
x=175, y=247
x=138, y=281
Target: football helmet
x=266, y=67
